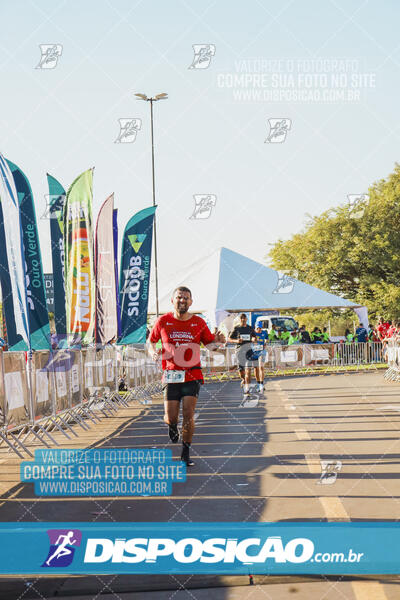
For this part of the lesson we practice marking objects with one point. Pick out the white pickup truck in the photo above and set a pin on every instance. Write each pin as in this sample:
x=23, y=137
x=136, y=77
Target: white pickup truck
x=280, y=321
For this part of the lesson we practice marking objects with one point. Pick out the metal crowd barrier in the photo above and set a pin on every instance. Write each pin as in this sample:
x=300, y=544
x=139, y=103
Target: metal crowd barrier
x=392, y=351
x=42, y=392
x=303, y=358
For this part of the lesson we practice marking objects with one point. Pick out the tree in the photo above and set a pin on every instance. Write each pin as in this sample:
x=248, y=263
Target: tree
x=352, y=251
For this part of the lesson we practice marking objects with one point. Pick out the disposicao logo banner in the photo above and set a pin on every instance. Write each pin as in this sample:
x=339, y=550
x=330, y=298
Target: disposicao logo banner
x=79, y=263
x=135, y=276
x=192, y=548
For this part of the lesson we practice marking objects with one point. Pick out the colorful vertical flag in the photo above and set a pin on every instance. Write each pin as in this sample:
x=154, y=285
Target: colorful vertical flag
x=14, y=339
x=79, y=260
x=56, y=213
x=106, y=293
x=134, y=280
x=115, y=237
x=38, y=316
x=14, y=259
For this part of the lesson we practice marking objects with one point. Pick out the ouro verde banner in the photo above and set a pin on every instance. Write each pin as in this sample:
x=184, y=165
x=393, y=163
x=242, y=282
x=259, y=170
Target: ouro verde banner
x=38, y=316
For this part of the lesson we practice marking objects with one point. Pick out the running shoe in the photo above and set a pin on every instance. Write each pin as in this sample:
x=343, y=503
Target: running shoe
x=186, y=457
x=173, y=433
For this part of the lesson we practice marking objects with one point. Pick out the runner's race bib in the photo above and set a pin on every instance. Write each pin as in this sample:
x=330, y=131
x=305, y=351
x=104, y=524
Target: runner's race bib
x=245, y=337
x=174, y=376
x=257, y=347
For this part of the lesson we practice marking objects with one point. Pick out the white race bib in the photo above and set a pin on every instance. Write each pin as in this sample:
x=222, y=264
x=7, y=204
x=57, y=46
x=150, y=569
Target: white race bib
x=174, y=376
x=257, y=347
x=245, y=337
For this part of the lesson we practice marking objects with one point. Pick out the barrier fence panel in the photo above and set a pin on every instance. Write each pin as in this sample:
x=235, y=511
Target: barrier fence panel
x=110, y=370
x=75, y=378
x=288, y=356
x=318, y=354
x=129, y=367
x=17, y=405
x=61, y=365
x=88, y=362
x=42, y=384
x=99, y=372
x=140, y=369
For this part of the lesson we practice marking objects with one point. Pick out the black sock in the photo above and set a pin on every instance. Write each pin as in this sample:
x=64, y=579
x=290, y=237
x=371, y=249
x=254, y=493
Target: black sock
x=186, y=444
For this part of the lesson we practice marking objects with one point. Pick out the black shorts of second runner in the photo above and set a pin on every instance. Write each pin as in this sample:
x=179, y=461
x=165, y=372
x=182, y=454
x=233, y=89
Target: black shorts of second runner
x=249, y=364
x=247, y=359
x=177, y=391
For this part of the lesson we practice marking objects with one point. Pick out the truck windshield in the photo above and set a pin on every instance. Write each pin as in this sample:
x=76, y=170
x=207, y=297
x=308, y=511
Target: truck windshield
x=287, y=322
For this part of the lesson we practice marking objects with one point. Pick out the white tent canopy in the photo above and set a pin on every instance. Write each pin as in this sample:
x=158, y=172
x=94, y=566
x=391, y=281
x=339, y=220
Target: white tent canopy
x=228, y=281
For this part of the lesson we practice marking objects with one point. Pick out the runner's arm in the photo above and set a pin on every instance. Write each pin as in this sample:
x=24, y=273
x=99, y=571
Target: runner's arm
x=234, y=337
x=153, y=351
x=211, y=341
x=154, y=337
x=218, y=344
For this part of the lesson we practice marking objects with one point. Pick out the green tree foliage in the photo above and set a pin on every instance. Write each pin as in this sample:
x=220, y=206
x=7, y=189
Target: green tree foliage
x=353, y=252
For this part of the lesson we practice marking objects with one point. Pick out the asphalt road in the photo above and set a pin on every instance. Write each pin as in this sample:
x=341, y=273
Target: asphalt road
x=254, y=461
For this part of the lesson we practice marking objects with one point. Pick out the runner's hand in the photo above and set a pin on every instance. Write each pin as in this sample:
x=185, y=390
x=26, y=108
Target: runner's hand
x=219, y=338
x=155, y=356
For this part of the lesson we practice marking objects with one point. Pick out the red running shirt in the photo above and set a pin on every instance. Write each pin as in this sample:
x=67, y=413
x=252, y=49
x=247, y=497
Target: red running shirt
x=181, y=343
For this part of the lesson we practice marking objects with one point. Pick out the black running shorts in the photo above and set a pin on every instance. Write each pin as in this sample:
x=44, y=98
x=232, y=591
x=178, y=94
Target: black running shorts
x=176, y=391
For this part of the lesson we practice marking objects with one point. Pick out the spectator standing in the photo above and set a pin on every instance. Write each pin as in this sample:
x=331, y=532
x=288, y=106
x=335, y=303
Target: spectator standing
x=273, y=335
x=361, y=333
x=304, y=335
x=325, y=335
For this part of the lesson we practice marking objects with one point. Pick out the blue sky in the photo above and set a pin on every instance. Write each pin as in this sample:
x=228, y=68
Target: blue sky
x=208, y=140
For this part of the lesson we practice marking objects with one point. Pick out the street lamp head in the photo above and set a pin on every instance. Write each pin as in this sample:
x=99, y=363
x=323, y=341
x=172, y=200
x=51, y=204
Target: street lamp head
x=162, y=96
x=142, y=96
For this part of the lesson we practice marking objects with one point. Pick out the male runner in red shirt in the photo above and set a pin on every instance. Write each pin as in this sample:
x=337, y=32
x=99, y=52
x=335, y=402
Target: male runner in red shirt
x=181, y=334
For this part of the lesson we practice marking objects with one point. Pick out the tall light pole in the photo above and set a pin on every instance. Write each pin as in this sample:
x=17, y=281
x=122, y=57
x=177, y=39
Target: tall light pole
x=162, y=96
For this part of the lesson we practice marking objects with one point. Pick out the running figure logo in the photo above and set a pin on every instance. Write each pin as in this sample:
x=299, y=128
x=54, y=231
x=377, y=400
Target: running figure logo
x=128, y=129
x=357, y=204
x=63, y=543
x=285, y=283
x=329, y=471
x=203, y=54
x=203, y=205
x=50, y=55
x=278, y=129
